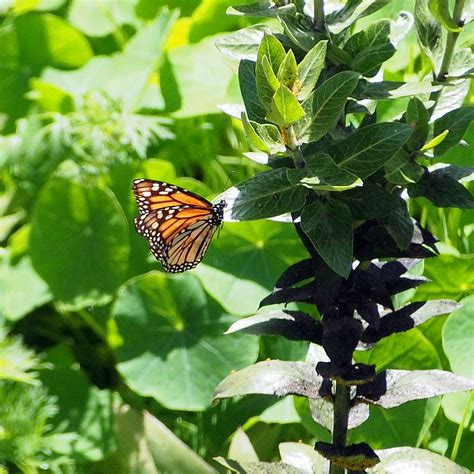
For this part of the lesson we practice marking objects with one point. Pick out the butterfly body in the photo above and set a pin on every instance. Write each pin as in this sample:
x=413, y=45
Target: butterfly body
x=178, y=224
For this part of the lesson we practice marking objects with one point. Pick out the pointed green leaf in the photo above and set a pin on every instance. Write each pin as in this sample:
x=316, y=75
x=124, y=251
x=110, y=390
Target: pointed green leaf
x=325, y=106
x=369, y=60
x=440, y=10
x=322, y=174
x=457, y=122
x=401, y=169
x=429, y=32
x=273, y=49
x=288, y=70
x=271, y=135
x=310, y=68
x=368, y=149
x=252, y=136
x=284, y=108
x=352, y=11
x=435, y=141
x=442, y=191
x=418, y=117
x=370, y=201
x=328, y=224
x=248, y=88
x=376, y=33
x=399, y=225
x=267, y=81
x=267, y=194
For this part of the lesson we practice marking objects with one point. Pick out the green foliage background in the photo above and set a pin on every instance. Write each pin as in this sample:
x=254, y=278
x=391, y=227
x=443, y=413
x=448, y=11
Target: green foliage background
x=93, y=95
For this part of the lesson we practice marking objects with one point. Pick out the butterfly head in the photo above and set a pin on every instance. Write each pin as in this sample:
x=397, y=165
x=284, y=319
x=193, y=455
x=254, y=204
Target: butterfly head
x=218, y=213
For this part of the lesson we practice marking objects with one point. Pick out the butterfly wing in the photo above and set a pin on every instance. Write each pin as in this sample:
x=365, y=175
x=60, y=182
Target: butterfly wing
x=155, y=195
x=179, y=225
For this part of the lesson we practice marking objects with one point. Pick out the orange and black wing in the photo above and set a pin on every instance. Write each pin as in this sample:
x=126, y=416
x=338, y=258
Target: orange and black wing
x=178, y=224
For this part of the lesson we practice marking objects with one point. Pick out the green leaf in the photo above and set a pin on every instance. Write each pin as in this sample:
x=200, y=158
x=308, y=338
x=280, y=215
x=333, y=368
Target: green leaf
x=264, y=8
x=369, y=148
x=144, y=440
x=458, y=339
x=418, y=118
x=408, y=459
x=401, y=169
x=84, y=408
x=51, y=98
x=309, y=69
x=410, y=351
x=244, y=261
x=395, y=89
x=271, y=135
x=29, y=43
x=21, y=289
x=273, y=50
x=328, y=224
x=369, y=60
x=442, y=191
x=456, y=122
x=272, y=377
x=123, y=76
x=322, y=174
x=435, y=141
x=440, y=10
x=450, y=277
x=399, y=224
x=288, y=70
x=101, y=19
x=254, y=139
x=248, y=88
x=243, y=43
x=267, y=81
x=267, y=194
x=175, y=340
x=46, y=39
x=352, y=11
x=79, y=242
x=201, y=77
x=453, y=96
x=17, y=362
x=324, y=107
x=429, y=32
x=284, y=108
x=370, y=201
x=376, y=33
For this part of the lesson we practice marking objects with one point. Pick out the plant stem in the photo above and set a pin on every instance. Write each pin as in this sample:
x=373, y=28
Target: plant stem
x=457, y=441
x=449, y=50
x=319, y=15
x=341, y=420
x=294, y=147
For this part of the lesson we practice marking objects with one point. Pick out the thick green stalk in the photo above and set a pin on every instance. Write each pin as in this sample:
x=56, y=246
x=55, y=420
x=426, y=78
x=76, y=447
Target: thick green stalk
x=341, y=420
x=449, y=50
x=319, y=15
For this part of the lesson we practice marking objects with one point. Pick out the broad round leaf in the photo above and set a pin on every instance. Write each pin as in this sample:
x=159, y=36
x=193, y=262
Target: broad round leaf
x=458, y=344
x=84, y=408
x=21, y=289
x=398, y=460
x=244, y=260
x=410, y=350
x=173, y=347
x=458, y=339
x=79, y=242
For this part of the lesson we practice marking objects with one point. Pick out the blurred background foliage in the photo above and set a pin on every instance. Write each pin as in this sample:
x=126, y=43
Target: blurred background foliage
x=106, y=363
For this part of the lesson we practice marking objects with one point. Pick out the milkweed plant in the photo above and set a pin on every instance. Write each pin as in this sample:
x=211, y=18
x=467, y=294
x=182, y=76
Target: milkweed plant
x=344, y=177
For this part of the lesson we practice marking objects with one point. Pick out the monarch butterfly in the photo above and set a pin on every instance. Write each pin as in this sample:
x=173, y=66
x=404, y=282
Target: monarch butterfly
x=178, y=224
